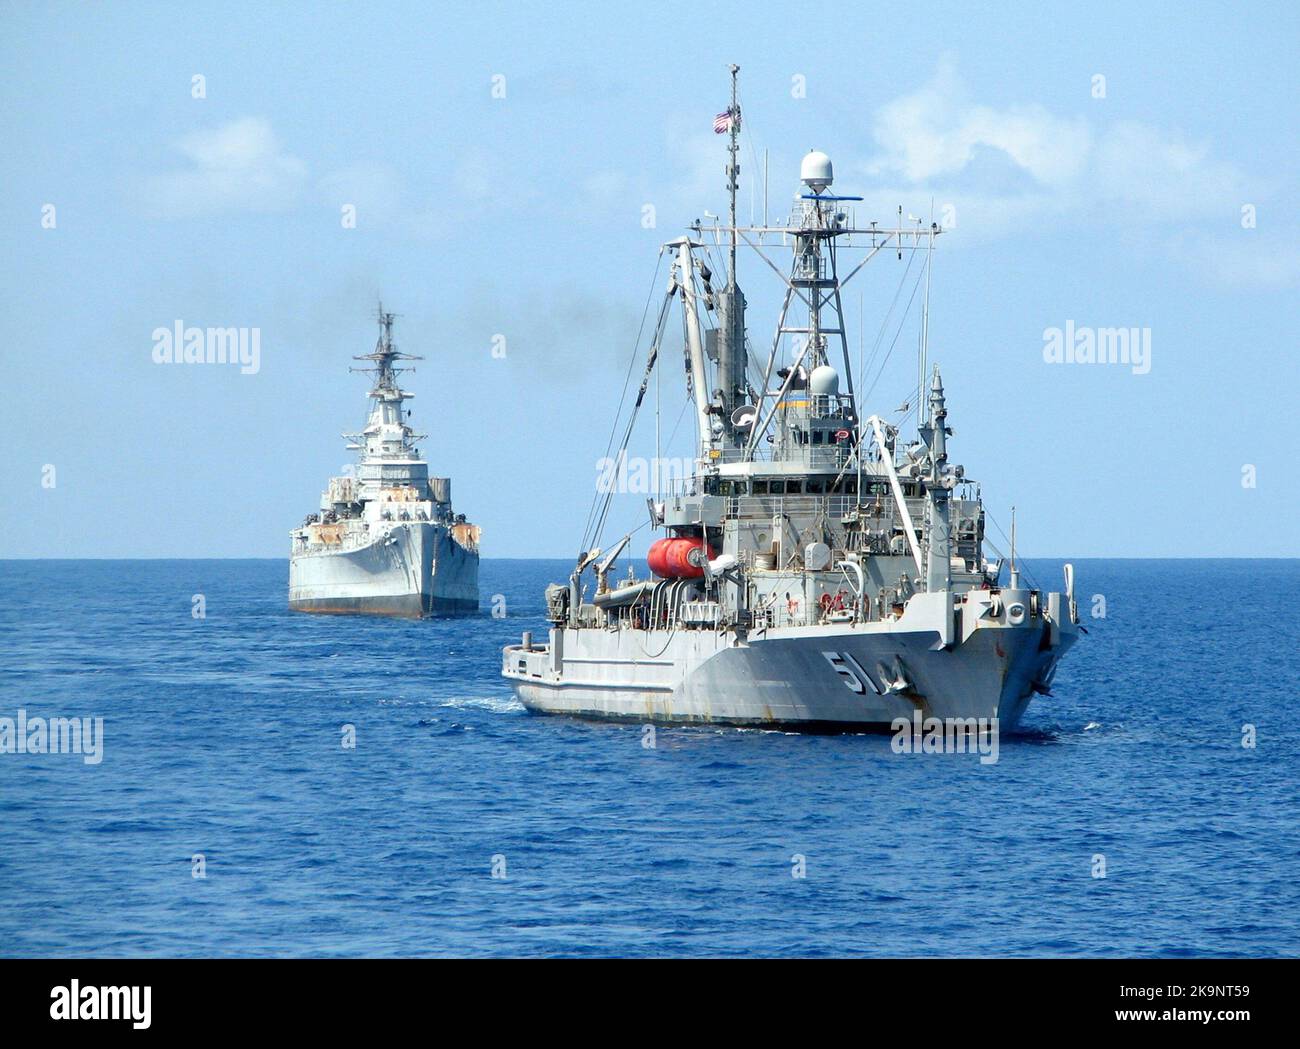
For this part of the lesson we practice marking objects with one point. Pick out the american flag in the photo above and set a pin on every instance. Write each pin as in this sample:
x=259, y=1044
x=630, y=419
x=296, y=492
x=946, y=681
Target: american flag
x=722, y=122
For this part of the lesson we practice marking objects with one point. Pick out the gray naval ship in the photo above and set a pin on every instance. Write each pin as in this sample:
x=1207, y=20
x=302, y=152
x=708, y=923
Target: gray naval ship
x=820, y=571
x=386, y=540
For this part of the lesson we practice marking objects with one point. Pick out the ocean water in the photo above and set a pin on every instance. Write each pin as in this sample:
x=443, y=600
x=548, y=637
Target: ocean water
x=222, y=738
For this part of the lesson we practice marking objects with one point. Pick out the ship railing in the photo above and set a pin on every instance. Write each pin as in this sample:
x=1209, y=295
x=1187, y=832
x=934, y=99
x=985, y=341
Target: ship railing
x=833, y=506
x=768, y=506
x=703, y=615
x=781, y=613
x=677, y=487
x=350, y=541
x=815, y=456
x=737, y=455
x=779, y=610
x=847, y=484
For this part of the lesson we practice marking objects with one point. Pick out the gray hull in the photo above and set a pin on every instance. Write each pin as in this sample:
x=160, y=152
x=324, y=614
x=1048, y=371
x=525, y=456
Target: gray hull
x=416, y=570
x=827, y=678
x=409, y=606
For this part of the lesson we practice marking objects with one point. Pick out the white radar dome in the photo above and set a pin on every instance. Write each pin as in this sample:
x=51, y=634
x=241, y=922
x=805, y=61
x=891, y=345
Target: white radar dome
x=824, y=381
x=816, y=171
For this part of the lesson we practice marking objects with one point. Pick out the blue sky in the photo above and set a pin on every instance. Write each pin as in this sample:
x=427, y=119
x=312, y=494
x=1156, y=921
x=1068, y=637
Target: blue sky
x=522, y=217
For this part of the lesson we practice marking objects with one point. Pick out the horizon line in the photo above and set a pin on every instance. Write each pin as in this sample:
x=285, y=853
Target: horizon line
x=1031, y=557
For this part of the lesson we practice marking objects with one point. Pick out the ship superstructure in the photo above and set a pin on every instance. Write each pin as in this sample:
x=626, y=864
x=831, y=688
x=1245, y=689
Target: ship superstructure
x=386, y=540
x=819, y=569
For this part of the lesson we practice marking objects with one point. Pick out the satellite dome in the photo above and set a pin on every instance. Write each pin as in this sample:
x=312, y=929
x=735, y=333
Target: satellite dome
x=824, y=381
x=816, y=171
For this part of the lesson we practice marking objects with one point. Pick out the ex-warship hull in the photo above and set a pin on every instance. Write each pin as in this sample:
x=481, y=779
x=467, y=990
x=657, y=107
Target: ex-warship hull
x=386, y=540
x=414, y=571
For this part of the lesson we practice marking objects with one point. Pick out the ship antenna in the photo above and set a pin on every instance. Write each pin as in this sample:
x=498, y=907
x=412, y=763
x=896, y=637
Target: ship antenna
x=733, y=172
x=384, y=352
x=1015, y=576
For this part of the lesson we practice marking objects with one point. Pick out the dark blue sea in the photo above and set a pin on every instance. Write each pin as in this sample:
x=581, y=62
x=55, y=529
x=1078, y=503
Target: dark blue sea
x=222, y=739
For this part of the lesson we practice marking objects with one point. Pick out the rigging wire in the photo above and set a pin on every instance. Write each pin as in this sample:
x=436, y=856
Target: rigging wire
x=884, y=323
x=753, y=156
x=596, y=538
x=901, y=322
x=627, y=380
x=680, y=416
x=605, y=499
x=1033, y=583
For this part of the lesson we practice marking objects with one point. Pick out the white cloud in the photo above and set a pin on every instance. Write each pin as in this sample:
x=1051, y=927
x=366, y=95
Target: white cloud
x=238, y=166
x=1022, y=162
x=1164, y=176
x=935, y=132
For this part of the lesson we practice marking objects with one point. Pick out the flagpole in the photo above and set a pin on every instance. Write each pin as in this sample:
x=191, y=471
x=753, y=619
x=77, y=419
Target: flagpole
x=733, y=173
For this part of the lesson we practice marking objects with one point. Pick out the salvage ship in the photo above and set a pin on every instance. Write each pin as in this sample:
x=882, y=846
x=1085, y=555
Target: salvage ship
x=386, y=540
x=820, y=571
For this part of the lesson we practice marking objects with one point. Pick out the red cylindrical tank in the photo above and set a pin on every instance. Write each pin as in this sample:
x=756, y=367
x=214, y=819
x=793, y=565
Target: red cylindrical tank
x=678, y=557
